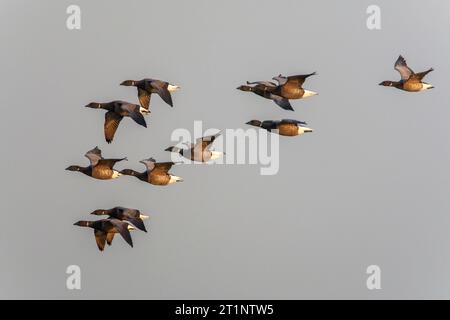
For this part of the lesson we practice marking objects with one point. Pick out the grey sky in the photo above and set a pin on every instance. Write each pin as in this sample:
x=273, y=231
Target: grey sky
x=369, y=186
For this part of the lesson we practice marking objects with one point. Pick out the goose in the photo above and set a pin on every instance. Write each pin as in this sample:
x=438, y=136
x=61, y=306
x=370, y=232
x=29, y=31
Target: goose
x=116, y=111
x=200, y=151
x=157, y=173
x=409, y=81
x=105, y=229
x=285, y=127
x=99, y=168
x=291, y=87
x=266, y=90
x=148, y=86
x=133, y=216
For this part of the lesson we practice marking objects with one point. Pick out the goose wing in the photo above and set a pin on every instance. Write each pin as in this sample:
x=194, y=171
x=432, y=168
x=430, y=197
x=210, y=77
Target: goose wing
x=109, y=238
x=122, y=228
x=298, y=80
x=292, y=121
x=144, y=98
x=94, y=156
x=100, y=238
x=401, y=66
x=108, y=163
x=420, y=75
x=133, y=216
x=264, y=83
x=133, y=111
x=112, y=121
x=162, y=91
x=281, y=102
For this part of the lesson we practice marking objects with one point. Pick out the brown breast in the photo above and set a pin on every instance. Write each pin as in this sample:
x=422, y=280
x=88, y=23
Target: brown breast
x=291, y=92
x=412, y=85
x=102, y=173
x=159, y=178
x=287, y=129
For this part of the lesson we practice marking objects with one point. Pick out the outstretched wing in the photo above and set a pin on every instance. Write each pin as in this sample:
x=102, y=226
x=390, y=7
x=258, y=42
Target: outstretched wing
x=133, y=216
x=298, y=80
x=161, y=89
x=144, y=98
x=163, y=166
x=108, y=163
x=112, y=121
x=135, y=114
x=94, y=155
x=292, y=121
x=122, y=228
x=280, y=79
x=420, y=75
x=403, y=69
x=281, y=102
x=100, y=238
x=264, y=83
x=109, y=238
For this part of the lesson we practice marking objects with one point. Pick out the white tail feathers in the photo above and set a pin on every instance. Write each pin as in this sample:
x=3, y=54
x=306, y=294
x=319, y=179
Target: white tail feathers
x=174, y=179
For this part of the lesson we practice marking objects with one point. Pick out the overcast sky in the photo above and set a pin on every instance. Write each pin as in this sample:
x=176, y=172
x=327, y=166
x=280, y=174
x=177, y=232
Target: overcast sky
x=368, y=186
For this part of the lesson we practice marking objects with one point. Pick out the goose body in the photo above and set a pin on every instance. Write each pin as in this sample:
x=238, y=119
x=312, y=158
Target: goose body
x=157, y=173
x=133, y=216
x=410, y=81
x=116, y=111
x=285, y=127
x=99, y=168
x=287, y=88
x=146, y=87
x=200, y=151
x=105, y=229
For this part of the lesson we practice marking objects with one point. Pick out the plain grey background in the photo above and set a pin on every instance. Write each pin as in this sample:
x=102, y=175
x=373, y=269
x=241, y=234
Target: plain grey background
x=369, y=186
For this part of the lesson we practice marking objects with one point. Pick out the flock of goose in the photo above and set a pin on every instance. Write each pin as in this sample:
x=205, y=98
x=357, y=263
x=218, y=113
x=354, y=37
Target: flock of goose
x=122, y=220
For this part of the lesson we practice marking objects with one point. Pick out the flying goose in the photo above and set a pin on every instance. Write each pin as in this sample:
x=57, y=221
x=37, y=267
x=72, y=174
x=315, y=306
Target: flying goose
x=133, y=216
x=409, y=81
x=116, y=111
x=285, y=127
x=291, y=87
x=200, y=151
x=99, y=168
x=266, y=89
x=148, y=86
x=104, y=230
x=157, y=173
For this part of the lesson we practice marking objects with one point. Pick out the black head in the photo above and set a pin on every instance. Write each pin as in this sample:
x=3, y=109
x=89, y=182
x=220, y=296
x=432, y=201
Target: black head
x=244, y=88
x=129, y=83
x=93, y=105
x=386, y=83
x=255, y=123
x=129, y=172
x=74, y=168
x=83, y=223
x=98, y=212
